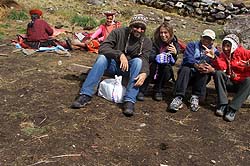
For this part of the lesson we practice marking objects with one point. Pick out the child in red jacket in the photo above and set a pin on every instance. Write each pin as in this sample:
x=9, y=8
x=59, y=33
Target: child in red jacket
x=232, y=74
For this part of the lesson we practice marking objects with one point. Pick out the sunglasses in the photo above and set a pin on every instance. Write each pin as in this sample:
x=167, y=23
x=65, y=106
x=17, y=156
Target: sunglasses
x=137, y=26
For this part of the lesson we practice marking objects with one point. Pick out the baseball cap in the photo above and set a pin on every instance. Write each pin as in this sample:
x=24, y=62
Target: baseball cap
x=209, y=33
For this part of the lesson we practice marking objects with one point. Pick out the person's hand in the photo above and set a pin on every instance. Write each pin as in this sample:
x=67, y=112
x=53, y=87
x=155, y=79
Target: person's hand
x=207, y=68
x=140, y=79
x=124, y=63
x=209, y=52
x=245, y=63
x=199, y=67
x=88, y=41
x=172, y=49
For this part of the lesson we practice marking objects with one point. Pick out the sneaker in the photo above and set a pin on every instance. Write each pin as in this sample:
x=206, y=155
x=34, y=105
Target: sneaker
x=140, y=96
x=221, y=111
x=176, y=104
x=194, y=100
x=81, y=101
x=230, y=115
x=158, y=96
x=128, y=108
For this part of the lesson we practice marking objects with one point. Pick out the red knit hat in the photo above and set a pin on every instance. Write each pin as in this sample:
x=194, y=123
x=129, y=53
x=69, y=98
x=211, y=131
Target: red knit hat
x=109, y=13
x=36, y=11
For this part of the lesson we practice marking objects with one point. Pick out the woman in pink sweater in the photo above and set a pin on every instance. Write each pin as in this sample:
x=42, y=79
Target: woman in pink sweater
x=101, y=33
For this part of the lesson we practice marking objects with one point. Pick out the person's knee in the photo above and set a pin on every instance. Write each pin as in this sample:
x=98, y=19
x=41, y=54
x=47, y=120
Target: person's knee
x=137, y=63
x=248, y=80
x=101, y=59
x=185, y=69
x=218, y=73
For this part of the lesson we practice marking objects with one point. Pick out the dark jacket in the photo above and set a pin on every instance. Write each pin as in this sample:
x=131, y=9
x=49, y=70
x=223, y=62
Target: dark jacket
x=115, y=45
x=156, y=49
x=194, y=53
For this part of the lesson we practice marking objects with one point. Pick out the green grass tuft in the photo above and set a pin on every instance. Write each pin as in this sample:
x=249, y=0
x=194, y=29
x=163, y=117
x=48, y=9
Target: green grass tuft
x=84, y=21
x=18, y=15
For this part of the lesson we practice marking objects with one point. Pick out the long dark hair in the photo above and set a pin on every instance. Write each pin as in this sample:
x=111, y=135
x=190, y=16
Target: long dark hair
x=157, y=38
x=33, y=19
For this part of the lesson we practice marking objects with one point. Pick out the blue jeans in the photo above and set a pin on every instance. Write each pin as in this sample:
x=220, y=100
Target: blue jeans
x=103, y=64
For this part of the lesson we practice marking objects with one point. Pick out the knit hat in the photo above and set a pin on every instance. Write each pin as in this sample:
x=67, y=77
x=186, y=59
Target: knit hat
x=234, y=40
x=109, y=13
x=36, y=11
x=209, y=33
x=138, y=19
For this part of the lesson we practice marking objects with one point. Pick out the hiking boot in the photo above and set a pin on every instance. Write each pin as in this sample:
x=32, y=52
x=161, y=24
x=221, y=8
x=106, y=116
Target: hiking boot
x=194, y=100
x=140, y=96
x=230, y=115
x=158, y=96
x=128, y=108
x=221, y=111
x=176, y=104
x=81, y=101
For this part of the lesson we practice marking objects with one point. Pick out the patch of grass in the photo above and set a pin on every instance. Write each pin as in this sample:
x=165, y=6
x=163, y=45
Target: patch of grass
x=17, y=15
x=33, y=131
x=1, y=35
x=5, y=25
x=102, y=21
x=84, y=21
x=17, y=115
x=3, y=13
x=21, y=30
x=28, y=128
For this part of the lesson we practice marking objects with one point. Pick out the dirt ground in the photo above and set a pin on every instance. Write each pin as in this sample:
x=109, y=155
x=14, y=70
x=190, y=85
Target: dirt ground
x=37, y=127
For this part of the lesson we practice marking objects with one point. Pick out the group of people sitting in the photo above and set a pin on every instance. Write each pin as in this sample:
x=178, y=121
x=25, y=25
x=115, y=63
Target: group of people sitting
x=127, y=51
x=40, y=34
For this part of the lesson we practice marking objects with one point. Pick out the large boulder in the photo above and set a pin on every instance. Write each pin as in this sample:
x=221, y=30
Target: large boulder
x=239, y=25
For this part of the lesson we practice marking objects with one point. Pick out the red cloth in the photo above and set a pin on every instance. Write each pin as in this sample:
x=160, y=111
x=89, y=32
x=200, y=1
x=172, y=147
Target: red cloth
x=238, y=67
x=40, y=31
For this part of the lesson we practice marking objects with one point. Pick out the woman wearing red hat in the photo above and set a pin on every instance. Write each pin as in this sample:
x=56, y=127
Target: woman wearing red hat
x=102, y=32
x=38, y=31
x=104, y=29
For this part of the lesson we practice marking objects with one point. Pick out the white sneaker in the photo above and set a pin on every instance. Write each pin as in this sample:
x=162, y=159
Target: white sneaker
x=194, y=100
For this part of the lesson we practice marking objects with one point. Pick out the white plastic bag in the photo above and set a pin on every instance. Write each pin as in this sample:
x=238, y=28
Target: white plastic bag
x=112, y=89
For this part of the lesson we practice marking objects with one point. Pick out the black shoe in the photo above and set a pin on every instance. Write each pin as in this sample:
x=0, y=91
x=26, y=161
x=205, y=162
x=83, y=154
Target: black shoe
x=69, y=45
x=81, y=101
x=158, y=96
x=140, y=96
x=230, y=115
x=128, y=108
x=221, y=111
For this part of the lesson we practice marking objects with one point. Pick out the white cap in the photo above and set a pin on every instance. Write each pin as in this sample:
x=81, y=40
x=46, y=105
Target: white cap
x=208, y=32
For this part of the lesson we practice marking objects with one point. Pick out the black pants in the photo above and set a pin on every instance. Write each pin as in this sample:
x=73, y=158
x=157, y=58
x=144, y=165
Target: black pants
x=37, y=44
x=223, y=84
x=187, y=76
x=159, y=75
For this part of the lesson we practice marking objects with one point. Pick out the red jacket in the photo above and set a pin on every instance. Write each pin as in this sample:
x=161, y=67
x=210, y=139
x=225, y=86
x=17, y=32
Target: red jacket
x=40, y=31
x=238, y=67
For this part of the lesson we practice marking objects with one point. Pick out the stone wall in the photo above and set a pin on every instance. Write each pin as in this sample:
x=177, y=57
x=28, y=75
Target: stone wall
x=207, y=10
